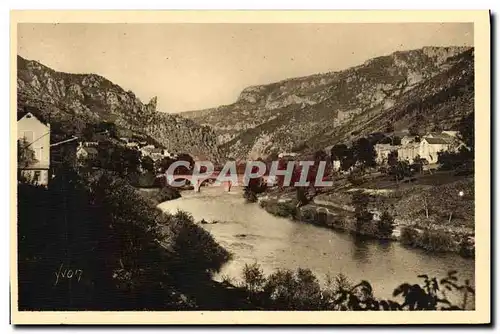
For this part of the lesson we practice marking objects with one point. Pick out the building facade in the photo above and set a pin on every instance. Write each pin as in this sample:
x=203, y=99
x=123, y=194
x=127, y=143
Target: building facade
x=37, y=136
x=86, y=151
x=426, y=147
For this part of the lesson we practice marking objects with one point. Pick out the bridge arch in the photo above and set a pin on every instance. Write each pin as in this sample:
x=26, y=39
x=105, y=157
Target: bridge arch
x=202, y=182
x=227, y=184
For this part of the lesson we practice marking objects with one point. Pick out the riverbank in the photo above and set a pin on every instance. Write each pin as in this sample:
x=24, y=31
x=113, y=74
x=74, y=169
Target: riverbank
x=253, y=235
x=339, y=215
x=159, y=195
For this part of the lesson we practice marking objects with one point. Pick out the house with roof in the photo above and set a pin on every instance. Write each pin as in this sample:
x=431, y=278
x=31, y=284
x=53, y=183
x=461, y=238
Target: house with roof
x=427, y=148
x=157, y=154
x=37, y=136
x=133, y=145
x=287, y=155
x=431, y=146
x=85, y=152
x=405, y=140
x=409, y=151
x=383, y=150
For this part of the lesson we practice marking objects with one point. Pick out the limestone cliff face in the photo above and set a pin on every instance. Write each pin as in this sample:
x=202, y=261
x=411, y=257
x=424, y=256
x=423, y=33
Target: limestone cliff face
x=332, y=106
x=90, y=98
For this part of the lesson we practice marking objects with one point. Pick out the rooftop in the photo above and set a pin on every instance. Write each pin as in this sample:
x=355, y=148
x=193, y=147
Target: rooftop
x=434, y=141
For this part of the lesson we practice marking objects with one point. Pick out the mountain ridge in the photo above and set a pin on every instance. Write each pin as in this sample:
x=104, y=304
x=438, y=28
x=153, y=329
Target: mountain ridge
x=279, y=115
x=85, y=99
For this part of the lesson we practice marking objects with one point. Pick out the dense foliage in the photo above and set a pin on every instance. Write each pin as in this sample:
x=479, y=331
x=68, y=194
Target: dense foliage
x=128, y=255
x=301, y=290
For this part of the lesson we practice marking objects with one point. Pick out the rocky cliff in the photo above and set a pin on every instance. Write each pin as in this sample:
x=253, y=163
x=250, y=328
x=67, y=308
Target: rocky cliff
x=431, y=87
x=76, y=100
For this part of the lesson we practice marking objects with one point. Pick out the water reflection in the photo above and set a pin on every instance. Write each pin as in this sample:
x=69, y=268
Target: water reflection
x=252, y=234
x=360, y=249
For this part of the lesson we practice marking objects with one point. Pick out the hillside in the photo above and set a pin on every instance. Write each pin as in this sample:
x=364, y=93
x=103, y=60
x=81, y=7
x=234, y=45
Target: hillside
x=432, y=87
x=75, y=101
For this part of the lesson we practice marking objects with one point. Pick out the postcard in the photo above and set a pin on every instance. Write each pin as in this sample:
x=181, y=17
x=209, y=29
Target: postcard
x=250, y=167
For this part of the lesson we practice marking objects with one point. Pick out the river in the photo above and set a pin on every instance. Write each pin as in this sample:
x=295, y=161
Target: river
x=253, y=235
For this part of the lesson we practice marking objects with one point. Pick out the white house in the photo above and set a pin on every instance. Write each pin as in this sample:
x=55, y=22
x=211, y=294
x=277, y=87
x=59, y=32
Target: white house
x=336, y=165
x=431, y=146
x=428, y=147
x=382, y=152
x=133, y=145
x=86, y=151
x=37, y=135
x=288, y=155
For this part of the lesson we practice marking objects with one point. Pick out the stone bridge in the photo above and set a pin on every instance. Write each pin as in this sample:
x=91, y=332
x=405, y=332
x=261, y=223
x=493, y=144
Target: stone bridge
x=200, y=180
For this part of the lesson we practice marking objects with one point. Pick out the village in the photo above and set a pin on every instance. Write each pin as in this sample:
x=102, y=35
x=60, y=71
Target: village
x=47, y=156
x=264, y=167
x=410, y=148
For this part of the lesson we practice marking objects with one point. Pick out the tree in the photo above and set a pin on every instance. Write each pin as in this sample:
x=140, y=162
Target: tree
x=118, y=158
x=396, y=140
x=108, y=127
x=273, y=156
x=163, y=164
x=418, y=163
x=385, y=226
x=186, y=157
x=453, y=160
x=392, y=161
x=348, y=161
x=466, y=131
x=25, y=154
x=339, y=152
x=126, y=160
x=255, y=186
x=389, y=127
x=301, y=146
x=320, y=155
x=345, y=155
x=147, y=164
x=360, y=202
x=364, y=152
x=414, y=129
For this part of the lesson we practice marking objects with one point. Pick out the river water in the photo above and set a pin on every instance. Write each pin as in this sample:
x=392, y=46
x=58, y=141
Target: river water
x=253, y=235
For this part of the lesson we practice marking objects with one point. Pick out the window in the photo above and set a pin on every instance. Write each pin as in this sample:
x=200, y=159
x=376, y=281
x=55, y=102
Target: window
x=38, y=154
x=29, y=136
x=38, y=176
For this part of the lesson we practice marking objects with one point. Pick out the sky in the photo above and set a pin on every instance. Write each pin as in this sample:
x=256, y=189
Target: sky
x=196, y=66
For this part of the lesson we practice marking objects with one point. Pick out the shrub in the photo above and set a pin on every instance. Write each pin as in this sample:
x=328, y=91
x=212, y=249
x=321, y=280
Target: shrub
x=338, y=223
x=385, y=226
x=360, y=202
x=287, y=209
x=194, y=253
x=281, y=209
x=409, y=236
x=436, y=240
x=308, y=215
x=355, y=179
x=253, y=277
x=167, y=194
x=132, y=256
x=466, y=247
x=300, y=290
x=158, y=196
x=249, y=195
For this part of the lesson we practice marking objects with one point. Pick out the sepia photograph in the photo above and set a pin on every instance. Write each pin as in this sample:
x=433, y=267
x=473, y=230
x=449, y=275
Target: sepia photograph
x=210, y=163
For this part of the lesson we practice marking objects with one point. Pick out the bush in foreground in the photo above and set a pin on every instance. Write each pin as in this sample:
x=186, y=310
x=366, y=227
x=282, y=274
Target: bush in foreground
x=300, y=290
x=129, y=255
